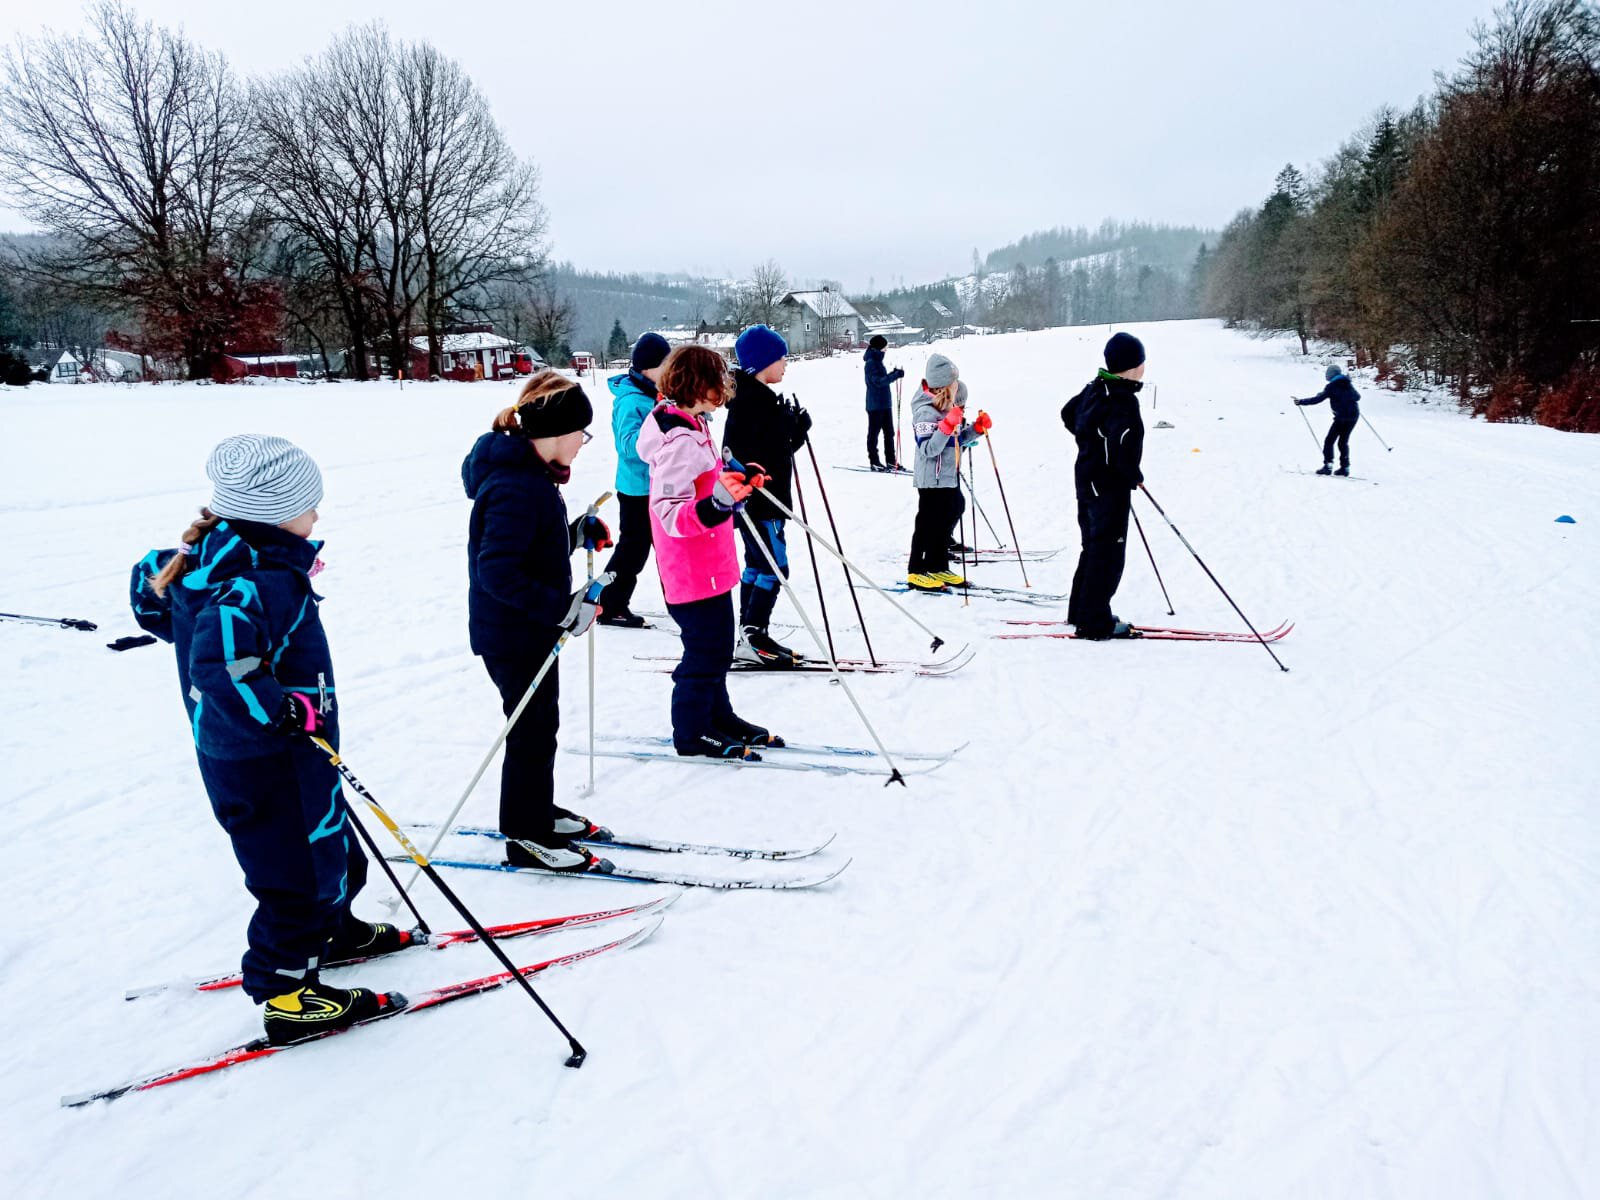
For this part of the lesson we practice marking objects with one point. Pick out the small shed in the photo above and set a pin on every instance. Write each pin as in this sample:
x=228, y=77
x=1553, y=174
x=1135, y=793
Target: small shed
x=57, y=366
x=478, y=354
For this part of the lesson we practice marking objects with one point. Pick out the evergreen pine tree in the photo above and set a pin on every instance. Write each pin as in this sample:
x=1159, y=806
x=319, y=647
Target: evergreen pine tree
x=617, y=347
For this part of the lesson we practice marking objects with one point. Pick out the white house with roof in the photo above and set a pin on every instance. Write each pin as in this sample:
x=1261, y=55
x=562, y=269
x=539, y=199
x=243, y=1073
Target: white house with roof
x=59, y=366
x=813, y=320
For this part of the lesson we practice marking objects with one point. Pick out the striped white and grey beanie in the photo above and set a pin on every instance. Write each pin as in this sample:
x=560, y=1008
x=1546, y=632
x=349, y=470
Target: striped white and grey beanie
x=261, y=478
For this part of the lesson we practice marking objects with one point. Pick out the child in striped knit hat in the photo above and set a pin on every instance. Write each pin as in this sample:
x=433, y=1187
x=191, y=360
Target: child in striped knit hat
x=257, y=680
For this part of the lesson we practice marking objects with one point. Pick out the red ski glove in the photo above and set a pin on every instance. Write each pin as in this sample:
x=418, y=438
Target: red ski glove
x=983, y=424
x=952, y=420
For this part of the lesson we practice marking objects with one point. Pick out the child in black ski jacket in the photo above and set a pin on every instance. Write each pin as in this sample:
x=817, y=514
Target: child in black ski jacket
x=257, y=680
x=763, y=430
x=1345, y=402
x=520, y=601
x=1104, y=418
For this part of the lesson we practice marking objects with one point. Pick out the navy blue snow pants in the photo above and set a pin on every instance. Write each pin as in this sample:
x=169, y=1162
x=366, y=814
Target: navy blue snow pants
x=700, y=680
x=302, y=860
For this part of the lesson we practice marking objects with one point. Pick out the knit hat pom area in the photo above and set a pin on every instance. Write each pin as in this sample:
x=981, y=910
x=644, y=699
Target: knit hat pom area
x=1124, y=352
x=759, y=347
x=557, y=414
x=260, y=478
x=940, y=372
x=649, y=352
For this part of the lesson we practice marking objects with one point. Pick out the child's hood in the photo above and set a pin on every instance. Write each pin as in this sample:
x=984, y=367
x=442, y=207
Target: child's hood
x=490, y=453
x=666, y=427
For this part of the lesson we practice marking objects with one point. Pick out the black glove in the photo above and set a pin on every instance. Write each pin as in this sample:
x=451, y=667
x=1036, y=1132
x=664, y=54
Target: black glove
x=581, y=613
x=298, y=717
x=802, y=422
x=593, y=533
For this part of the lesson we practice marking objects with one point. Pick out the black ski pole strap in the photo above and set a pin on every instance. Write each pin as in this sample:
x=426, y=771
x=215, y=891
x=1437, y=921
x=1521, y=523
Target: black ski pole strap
x=131, y=643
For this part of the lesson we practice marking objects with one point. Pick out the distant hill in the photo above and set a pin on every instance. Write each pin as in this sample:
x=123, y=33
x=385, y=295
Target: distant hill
x=1171, y=246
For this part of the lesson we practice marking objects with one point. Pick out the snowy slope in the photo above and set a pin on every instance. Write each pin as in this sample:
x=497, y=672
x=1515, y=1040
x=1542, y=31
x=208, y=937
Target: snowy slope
x=1175, y=924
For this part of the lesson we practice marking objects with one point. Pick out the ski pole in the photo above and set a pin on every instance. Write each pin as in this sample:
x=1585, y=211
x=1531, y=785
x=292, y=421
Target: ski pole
x=62, y=622
x=972, y=491
x=1137, y=524
x=1300, y=408
x=833, y=665
x=591, y=511
x=862, y=575
x=575, y=1059
x=899, y=441
x=1012, y=525
x=811, y=548
x=383, y=862
x=827, y=507
x=592, y=593
x=1375, y=434
x=1213, y=578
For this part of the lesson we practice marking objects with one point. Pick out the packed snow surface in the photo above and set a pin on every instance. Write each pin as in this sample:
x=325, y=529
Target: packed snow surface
x=1174, y=924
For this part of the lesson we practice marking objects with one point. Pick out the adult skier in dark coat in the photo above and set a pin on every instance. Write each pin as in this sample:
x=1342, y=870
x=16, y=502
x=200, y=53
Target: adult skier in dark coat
x=880, y=406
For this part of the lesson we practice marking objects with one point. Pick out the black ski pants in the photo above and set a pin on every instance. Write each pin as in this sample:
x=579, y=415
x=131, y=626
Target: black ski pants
x=631, y=554
x=1103, y=524
x=938, y=511
x=1339, y=432
x=880, y=420
x=528, y=774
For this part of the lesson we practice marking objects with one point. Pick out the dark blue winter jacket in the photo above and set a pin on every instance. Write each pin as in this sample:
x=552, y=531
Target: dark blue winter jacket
x=245, y=623
x=519, y=549
x=878, y=381
x=1341, y=396
x=1104, y=418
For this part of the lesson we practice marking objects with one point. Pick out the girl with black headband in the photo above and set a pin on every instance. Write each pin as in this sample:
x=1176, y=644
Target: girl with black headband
x=520, y=601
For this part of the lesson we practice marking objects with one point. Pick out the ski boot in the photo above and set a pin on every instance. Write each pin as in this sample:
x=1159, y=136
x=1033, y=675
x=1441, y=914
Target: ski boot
x=926, y=583
x=358, y=939
x=623, y=619
x=1345, y=471
x=1117, y=629
x=570, y=825
x=716, y=745
x=316, y=1009
x=757, y=646
x=957, y=549
x=949, y=578
x=558, y=855
x=750, y=734
x=878, y=466
x=1325, y=469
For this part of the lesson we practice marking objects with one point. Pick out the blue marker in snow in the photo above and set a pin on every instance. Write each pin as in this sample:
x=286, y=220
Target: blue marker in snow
x=1563, y=519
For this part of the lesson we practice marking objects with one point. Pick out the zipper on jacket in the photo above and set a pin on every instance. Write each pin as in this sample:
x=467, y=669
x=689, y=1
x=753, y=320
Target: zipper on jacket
x=322, y=692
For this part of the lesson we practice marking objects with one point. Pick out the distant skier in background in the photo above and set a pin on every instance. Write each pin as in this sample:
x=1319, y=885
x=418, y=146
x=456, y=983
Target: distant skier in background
x=1104, y=418
x=256, y=677
x=763, y=429
x=880, y=407
x=633, y=396
x=1345, y=401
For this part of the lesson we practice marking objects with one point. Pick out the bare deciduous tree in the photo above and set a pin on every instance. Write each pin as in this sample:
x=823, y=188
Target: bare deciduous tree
x=768, y=285
x=124, y=143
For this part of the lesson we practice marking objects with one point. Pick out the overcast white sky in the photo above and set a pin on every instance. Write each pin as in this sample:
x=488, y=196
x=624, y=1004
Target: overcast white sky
x=871, y=141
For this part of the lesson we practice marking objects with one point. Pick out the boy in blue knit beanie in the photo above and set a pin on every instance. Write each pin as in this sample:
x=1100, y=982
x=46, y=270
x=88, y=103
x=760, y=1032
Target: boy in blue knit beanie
x=763, y=428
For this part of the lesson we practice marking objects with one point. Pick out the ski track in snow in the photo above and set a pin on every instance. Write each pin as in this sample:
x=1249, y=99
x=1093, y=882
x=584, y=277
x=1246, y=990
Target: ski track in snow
x=1175, y=924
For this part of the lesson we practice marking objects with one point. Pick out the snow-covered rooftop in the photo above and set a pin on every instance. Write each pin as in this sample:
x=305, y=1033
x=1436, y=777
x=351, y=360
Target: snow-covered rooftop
x=823, y=303
x=465, y=343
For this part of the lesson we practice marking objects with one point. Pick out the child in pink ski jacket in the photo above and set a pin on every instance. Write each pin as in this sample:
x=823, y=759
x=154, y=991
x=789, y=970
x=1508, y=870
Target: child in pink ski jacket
x=694, y=505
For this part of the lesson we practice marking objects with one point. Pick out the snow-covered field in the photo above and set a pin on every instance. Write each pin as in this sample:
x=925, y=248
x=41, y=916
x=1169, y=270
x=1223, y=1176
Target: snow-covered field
x=1175, y=924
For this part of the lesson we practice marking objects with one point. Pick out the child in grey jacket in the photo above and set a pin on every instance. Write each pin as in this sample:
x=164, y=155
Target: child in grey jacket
x=941, y=431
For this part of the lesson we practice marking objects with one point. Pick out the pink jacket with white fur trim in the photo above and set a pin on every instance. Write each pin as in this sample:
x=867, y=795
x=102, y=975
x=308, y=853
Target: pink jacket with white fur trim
x=696, y=560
